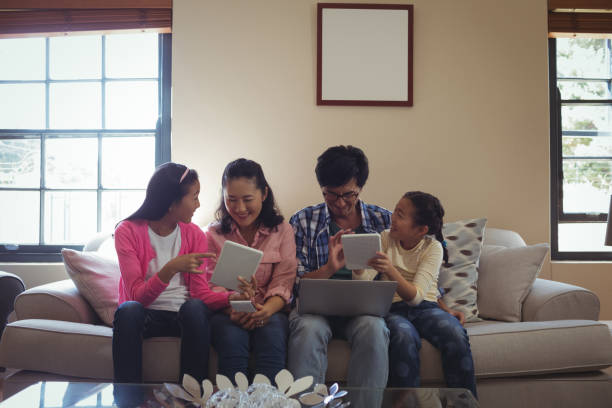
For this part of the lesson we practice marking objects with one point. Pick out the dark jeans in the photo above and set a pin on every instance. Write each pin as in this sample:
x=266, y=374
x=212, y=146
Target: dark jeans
x=408, y=324
x=133, y=323
x=233, y=345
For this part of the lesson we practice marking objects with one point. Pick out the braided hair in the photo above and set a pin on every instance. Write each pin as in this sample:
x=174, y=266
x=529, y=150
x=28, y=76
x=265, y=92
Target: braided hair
x=429, y=212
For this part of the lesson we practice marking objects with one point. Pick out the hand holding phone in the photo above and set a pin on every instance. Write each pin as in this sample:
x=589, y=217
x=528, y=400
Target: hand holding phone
x=245, y=306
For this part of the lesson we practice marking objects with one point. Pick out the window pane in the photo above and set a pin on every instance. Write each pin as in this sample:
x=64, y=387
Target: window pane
x=583, y=58
x=78, y=57
x=20, y=163
x=23, y=106
x=586, y=118
x=587, y=185
x=22, y=59
x=15, y=207
x=117, y=205
x=132, y=55
x=583, y=237
x=71, y=163
x=75, y=105
x=70, y=217
x=131, y=105
x=127, y=162
x=578, y=90
x=587, y=146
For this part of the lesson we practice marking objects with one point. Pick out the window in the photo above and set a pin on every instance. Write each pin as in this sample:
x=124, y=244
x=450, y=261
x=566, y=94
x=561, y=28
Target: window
x=581, y=146
x=83, y=122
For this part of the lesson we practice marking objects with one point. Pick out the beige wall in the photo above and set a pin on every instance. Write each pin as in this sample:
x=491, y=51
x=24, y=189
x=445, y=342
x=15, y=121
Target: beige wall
x=244, y=85
x=35, y=274
x=244, y=77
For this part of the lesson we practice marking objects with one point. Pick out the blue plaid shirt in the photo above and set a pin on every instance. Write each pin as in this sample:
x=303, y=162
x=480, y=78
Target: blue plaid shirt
x=311, y=226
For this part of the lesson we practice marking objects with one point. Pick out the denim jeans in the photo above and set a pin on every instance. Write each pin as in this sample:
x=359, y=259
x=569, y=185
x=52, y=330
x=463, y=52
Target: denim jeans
x=408, y=324
x=133, y=323
x=234, y=344
x=367, y=335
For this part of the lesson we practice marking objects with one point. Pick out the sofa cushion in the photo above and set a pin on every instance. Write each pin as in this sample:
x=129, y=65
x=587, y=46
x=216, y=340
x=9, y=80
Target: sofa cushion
x=81, y=350
x=97, y=279
x=505, y=276
x=458, y=276
x=500, y=349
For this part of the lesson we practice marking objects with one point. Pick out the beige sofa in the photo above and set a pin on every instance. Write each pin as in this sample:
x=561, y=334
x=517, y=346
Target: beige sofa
x=56, y=331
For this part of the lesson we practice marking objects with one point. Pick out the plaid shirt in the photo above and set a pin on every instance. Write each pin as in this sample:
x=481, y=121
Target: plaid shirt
x=311, y=226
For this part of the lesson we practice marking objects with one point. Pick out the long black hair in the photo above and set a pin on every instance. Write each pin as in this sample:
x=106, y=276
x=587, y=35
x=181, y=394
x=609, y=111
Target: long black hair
x=270, y=215
x=429, y=212
x=169, y=184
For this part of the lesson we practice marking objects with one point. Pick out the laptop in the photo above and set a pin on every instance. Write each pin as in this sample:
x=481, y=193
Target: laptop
x=334, y=297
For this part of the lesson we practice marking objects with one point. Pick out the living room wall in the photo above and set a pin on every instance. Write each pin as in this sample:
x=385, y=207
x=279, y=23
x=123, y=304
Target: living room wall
x=477, y=136
x=244, y=76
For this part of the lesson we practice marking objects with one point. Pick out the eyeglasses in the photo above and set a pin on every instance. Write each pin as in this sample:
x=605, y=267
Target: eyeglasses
x=346, y=197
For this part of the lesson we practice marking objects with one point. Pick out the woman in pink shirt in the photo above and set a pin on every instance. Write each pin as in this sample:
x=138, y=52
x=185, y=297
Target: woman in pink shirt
x=249, y=216
x=163, y=290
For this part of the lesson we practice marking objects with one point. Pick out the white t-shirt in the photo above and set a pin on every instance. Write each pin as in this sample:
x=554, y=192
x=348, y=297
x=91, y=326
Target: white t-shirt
x=166, y=248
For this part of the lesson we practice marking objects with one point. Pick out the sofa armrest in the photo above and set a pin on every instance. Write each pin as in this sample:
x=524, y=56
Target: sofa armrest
x=10, y=286
x=551, y=300
x=55, y=301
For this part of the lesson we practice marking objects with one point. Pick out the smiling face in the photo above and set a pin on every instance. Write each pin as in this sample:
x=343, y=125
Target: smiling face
x=403, y=226
x=243, y=200
x=184, y=209
x=342, y=200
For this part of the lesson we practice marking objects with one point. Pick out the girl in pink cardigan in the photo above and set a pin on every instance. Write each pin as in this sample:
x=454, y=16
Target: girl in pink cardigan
x=164, y=289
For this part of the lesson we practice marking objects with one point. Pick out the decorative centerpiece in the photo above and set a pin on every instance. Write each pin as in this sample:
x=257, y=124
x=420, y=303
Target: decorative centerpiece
x=260, y=394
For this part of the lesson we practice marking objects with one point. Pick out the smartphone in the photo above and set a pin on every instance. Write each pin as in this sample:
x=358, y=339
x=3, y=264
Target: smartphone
x=242, y=306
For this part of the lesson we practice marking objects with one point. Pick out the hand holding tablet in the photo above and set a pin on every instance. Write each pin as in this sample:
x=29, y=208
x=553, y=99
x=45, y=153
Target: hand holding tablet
x=359, y=249
x=235, y=260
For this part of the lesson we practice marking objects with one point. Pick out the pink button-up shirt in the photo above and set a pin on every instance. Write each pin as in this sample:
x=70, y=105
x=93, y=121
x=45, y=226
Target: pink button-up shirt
x=276, y=273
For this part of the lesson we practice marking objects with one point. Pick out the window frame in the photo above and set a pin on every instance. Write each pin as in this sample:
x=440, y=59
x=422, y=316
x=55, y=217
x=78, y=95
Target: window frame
x=52, y=253
x=556, y=167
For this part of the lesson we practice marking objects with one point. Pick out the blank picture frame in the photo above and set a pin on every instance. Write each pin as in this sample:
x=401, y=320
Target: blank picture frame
x=364, y=54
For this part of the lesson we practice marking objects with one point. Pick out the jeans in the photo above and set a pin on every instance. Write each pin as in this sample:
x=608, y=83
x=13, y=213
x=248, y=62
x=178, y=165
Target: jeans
x=367, y=335
x=133, y=323
x=408, y=324
x=234, y=344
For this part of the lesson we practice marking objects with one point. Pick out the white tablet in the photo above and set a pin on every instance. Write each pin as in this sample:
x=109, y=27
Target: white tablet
x=235, y=260
x=359, y=249
x=242, y=306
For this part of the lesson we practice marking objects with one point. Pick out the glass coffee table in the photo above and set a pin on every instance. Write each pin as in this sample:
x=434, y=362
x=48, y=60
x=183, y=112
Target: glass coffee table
x=51, y=394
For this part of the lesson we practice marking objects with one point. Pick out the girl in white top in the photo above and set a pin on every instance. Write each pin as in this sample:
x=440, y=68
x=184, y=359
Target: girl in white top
x=412, y=253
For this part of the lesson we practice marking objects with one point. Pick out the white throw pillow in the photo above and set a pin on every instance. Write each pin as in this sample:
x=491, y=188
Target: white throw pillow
x=459, y=275
x=97, y=279
x=505, y=278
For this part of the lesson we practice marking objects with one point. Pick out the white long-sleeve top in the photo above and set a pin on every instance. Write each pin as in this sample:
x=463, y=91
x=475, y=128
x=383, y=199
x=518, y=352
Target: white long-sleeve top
x=419, y=265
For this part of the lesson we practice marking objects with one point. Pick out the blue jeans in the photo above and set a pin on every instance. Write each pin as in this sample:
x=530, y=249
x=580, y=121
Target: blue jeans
x=133, y=323
x=408, y=324
x=234, y=344
x=367, y=335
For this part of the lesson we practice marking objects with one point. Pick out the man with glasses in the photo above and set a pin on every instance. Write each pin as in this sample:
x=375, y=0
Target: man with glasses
x=341, y=171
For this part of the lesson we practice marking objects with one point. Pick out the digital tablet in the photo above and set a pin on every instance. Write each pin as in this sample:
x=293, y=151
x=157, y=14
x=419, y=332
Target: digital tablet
x=359, y=249
x=235, y=260
x=242, y=306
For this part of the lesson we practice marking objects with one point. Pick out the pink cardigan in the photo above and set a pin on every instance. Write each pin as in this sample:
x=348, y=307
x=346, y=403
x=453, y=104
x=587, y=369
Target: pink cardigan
x=135, y=252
